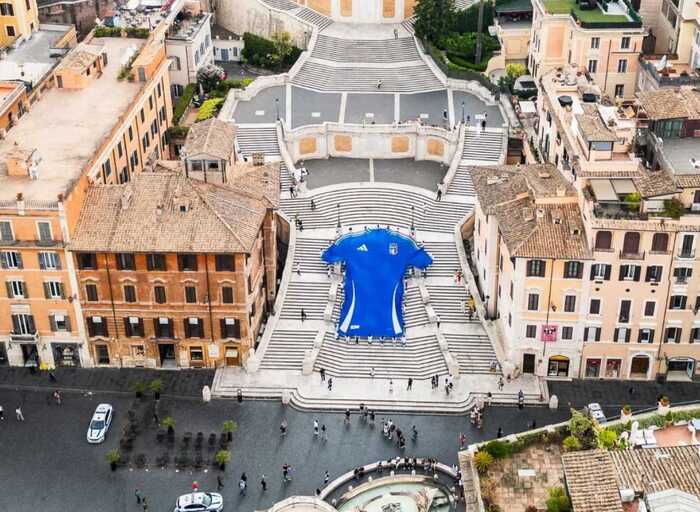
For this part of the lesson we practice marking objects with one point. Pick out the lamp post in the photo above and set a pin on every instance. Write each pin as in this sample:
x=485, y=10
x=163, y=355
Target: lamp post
x=338, y=210
x=277, y=108
x=413, y=227
x=462, y=112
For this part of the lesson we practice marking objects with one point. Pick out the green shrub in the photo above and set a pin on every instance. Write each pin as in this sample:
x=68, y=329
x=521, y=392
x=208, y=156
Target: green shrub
x=581, y=427
x=607, y=439
x=183, y=102
x=558, y=501
x=134, y=32
x=482, y=461
x=571, y=444
x=209, y=108
x=498, y=449
x=273, y=54
x=178, y=132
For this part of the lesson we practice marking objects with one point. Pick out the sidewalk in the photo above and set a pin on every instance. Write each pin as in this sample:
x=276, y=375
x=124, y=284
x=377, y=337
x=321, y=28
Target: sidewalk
x=187, y=383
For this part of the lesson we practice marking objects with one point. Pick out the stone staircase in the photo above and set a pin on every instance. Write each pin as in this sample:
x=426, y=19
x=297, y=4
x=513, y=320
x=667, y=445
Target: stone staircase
x=252, y=139
x=448, y=303
x=408, y=24
x=286, y=349
x=321, y=77
x=473, y=352
x=313, y=17
x=370, y=51
x=415, y=314
x=308, y=255
x=285, y=178
x=445, y=259
x=312, y=297
x=462, y=182
x=283, y=5
x=485, y=147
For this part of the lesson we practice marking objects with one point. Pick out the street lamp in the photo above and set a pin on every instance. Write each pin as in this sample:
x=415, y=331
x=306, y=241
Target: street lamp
x=462, y=112
x=277, y=108
x=338, y=209
x=413, y=227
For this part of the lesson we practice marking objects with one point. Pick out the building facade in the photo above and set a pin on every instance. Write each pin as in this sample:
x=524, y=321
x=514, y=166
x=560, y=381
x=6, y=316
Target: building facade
x=189, y=47
x=19, y=19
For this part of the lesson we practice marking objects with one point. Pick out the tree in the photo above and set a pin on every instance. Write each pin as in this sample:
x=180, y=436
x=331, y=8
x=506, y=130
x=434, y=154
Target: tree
x=433, y=18
x=515, y=71
x=282, y=48
x=581, y=427
x=607, y=439
x=209, y=76
x=571, y=444
x=558, y=501
x=229, y=427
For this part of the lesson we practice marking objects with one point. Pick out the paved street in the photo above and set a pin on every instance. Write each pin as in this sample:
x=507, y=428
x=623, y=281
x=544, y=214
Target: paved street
x=50, y=448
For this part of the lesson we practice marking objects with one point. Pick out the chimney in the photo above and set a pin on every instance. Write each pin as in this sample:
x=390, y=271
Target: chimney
x=540, y=213
x=528, y=214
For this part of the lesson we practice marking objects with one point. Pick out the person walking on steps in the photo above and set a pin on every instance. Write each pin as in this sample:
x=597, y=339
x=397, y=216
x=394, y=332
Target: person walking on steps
x=323, y=374
x=324, y=433
x=283, y=427
x=326, y=478
x=302, y=314
x=315, y=428
x=263, y=483
x=500, y=383
x=410, y=384
x=499, y=433
x=379, y=84
x=330, y=384
x=347, y=416
x=414, y=433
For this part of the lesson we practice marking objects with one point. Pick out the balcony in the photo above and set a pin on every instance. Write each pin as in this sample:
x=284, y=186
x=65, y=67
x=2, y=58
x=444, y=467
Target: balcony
x=24, y=336
x=619, y=210
x=685, y=254
x=674, y=75
x=631, y=255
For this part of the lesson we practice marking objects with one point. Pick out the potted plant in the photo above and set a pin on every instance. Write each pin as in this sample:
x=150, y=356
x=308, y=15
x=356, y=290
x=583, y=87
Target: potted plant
x=169, y=423
x=138, y=387
x=221, y=458
x=664, y=406
x=626, y=413
x=113, y=457
x=155, y=386
x=228, y=428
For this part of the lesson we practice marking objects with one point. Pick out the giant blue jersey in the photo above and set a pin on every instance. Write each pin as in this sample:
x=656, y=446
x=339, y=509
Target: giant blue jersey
x=375, y=263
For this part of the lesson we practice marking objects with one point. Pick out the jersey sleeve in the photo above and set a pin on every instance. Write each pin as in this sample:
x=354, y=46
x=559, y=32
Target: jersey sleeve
x=420, y=258
x=336, y=252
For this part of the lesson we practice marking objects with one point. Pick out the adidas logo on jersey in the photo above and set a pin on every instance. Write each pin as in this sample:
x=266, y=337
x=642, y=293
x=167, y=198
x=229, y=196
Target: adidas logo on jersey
x=363, y=248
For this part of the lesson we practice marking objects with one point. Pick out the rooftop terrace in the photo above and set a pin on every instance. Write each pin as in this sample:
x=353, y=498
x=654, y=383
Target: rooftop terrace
x=67, y=126
x=617, y=13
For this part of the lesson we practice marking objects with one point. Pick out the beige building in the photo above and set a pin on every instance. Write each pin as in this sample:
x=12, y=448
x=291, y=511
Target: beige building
x=604, y=45
x=19, y=19
x=103, y=116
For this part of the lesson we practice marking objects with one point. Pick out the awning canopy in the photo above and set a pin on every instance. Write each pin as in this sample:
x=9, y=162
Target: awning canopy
x=604, y=190
x=624, y=187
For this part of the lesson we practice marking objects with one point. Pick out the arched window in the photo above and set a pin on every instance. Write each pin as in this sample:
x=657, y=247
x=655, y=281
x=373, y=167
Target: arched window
x=603, y=240
x=660, y=242
x=631, y=243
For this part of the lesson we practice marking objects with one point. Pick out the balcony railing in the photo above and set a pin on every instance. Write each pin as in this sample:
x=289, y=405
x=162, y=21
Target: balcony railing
x=631, y=255
x=619, y=210
x=24, y=336
x=686, y=254
x=689, y=79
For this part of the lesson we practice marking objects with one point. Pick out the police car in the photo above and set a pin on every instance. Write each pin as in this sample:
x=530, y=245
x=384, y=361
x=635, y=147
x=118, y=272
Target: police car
x=200, y=502
x=99, y=424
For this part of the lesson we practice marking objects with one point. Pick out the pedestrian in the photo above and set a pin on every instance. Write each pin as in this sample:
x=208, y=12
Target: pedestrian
x=145, y=505
x=396, y=33
x=302, y=314
x=219, y=483
x=371, y=418
x=283, y=427
x=18, y=413
x=52, y=376
x=371, y=373
x=437, y=320
x=263, y=483
x=324, y=433
x=301, y=225
x=323, y=374
x=297, y=268
x=500, y=383
x=139, y=496
x=347, y=416
x=521, y=399
x=499, y=434
x=414, y=433
x=291, y=191
x=379, y=84
x=2, y=413
x=313, y=205
x=242, y=486
x=391, y=386
x=315, y=428
x=57, y=397
x=410, y=384
x=285, y=472
x=462, y=440
x=330, y=384
x=326, y=478
x=439, y=193
x=483, y=125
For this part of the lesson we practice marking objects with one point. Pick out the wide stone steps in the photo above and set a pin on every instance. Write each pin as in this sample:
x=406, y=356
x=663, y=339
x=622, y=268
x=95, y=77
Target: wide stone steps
x=308, y=255
x=473, y=352
x=449, y=303
x=445, y=259
x=310, y=296
x=484, y=146
x=420, y=358
x=320, y=77
x=285, y=350
x=254, y=139
x=285, y=178
x=415, y=314
x=315, y=18
x=462, y=183
x=372, y=206
x=408, y=24
x=283, y=5
x=370, y=51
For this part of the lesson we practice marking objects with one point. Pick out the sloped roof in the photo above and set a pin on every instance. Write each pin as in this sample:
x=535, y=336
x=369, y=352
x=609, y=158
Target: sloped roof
x=592, y=126
x=165, y=211
x=669, y=103
x=212, y=137
x=591, y=481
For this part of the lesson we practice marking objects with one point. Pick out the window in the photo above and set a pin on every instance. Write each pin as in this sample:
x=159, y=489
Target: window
x=159, y=294
x=621, y=68
x=227, y=294
x=187, y=262
x=536, y=268
x=567, y=333
x=59, y=322
x=682, y=274
x=150, y=103
x=622, y=334
x=143, y=116
x=659, y=243
x=600, y=272
x=163, y=327
x=531, y=331
x=159, y=89
x=603, y=241
x=6, y=234
x=533, y=301
x=225, y=263
x=645, y=336
x=697, y=305
x=23, y=324
x=102, y=354
x=573, y=270
x=624, y=314
x=133, y=327
x=654, y=273
x=619, y=90
x=196, y=354
x=673, y=335
x=592, y=66
x=53, y=290
x=91, y=292
x=591, y=334
x=44, y=232
x=131, y=134
x=125, y=261
x=595, y=43
x=106, y=169
x=7, y=10
x=16, y=289
x=49, y=261
x=678, y=302
x=625, y=43
x=156, y=262
x=594, y=308
x=694, y=335
x=87, y=261
x=120, y=149
x=154, y=129
x=190, y=294
x=145, y=141
x=129, y=293
x=230, y=328
x=10, y=31
x=687, y=247
x=649, y=308
x=630, y=272
x=97, y=326
x=630, y=245
x=570, y=303
x=194, y=328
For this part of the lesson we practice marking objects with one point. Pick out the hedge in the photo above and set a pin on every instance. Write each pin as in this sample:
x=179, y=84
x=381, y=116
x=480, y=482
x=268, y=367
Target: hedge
x=209, y=108
x=226, y=85
x=257, y=51
x=183, y=102
x=135, y=32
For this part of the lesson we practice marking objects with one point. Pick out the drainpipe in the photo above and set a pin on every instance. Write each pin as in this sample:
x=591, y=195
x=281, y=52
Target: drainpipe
x=114, y=311
x=211, y=318
x=663, y=319
x=607, y=66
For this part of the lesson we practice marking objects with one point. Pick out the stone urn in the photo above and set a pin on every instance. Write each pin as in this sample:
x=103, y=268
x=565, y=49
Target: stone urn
x=626, y=414
x=664, y=406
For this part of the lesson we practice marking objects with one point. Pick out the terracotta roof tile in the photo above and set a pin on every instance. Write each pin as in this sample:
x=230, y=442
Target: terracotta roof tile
x=212, y=137
x=670, y=103
x=591, y=481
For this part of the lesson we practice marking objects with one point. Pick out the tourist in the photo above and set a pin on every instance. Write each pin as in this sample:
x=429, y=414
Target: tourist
x=439, y=192
x=521, y=399
x=324, y=433
x=297, y=268
x=18, y=413
x=283, y=427
x=391, y=386
x=347, y=416
x=323, y=374
x=371, y=419
x=263, y=483
x=315, y=428
x=301, y=225
x=371, y=373
x=302, y=314
x=414, y=432
x=410, y=384
x=499, y=434
x=396, y=33
x=500, y=383
x=313, y=205
x=326, y=478
x=242, y=486
x=385, y=429
x=379, y=84
x=330, y=383
x=462, y=440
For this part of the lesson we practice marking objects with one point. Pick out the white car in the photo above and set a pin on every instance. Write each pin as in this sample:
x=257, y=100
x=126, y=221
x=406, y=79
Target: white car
x=596, y=412
x=99, y=424
x=200, y=502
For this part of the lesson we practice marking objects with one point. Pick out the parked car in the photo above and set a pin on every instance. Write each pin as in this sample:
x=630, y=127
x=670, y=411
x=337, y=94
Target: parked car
x=99, y=424
x=596, y=412
x=200, y=502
